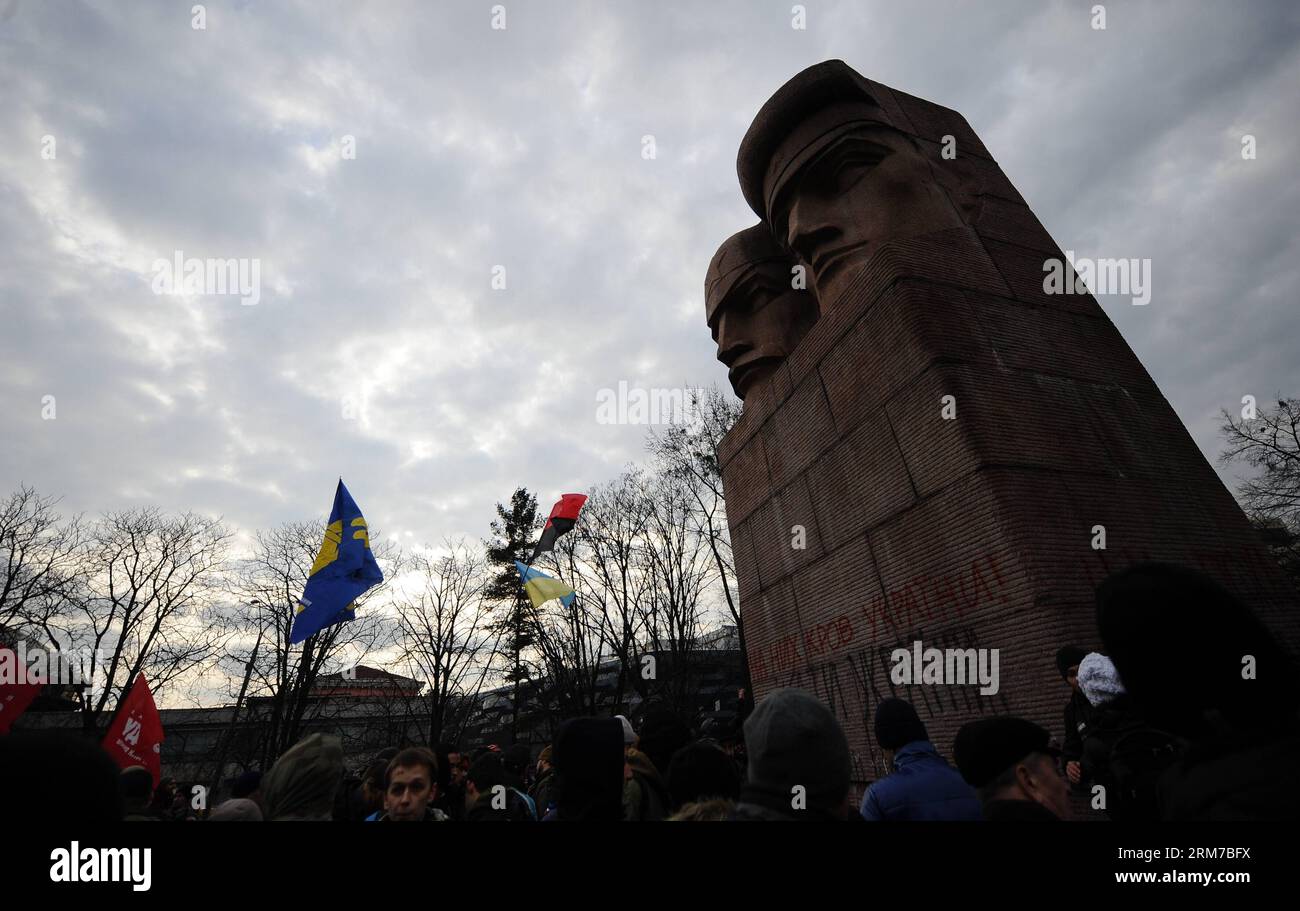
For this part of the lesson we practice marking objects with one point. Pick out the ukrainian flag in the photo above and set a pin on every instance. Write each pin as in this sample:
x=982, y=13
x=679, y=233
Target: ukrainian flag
x=541, y=588
x=344, y=570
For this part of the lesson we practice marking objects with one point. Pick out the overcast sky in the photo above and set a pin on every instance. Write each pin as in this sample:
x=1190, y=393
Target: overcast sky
x=522, y=148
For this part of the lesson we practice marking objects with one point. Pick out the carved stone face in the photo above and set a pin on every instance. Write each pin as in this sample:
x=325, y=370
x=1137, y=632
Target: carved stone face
x=760, y=322
x=866, y=187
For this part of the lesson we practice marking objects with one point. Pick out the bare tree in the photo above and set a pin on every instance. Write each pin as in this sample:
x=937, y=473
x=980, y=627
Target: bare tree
x=268, y=585
x=679, y=569
x=145, y=587
x=40, y=559
x=446, y=629
x=609, y=566
x=689, y=453
x=1270, y=444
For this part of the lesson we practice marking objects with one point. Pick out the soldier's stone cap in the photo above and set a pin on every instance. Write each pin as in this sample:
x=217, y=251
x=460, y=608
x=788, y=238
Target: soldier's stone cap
x=738, y=254
x=824, y=100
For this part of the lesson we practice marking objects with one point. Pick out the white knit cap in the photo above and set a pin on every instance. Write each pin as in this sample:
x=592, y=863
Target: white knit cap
x=1099, y=679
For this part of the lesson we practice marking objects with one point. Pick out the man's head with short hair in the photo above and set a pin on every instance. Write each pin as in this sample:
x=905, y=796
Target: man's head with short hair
x=410, y=784
x=700, y=771
x=486, y=773
x=136, y=786
x=374, y=784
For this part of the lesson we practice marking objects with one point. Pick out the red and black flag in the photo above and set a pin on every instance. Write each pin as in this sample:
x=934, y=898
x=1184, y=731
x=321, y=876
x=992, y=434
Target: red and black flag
x=563, y=516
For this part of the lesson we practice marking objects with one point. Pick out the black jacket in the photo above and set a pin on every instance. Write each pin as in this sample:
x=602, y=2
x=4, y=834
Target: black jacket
x=483, y=811
x=1078, y=717
x=542, y=791
x=1234, y=779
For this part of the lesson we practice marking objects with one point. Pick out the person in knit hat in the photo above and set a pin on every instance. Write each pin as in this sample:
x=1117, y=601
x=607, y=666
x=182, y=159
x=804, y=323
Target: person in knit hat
x=1114, y=729
x=921, y=785
x=1013, y=766
x=1078, y=712
x=798, y=761
x=303, y=782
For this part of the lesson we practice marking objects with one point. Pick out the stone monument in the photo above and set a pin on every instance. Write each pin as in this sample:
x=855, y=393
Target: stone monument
x=756, y=305
x=950, y=455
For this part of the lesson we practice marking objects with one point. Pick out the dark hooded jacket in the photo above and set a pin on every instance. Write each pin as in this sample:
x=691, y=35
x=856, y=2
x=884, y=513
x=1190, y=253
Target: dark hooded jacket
x=1180, y=643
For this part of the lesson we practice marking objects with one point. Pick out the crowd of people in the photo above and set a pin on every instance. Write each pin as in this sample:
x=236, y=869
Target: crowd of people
x=1187, y=711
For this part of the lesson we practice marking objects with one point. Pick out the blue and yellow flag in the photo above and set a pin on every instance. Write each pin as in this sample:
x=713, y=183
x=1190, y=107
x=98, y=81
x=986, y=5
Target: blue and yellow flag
x=541, y=588
x=344, y=569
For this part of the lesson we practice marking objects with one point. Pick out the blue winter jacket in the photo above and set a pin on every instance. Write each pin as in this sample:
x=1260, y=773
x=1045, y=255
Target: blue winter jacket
x=922, y=787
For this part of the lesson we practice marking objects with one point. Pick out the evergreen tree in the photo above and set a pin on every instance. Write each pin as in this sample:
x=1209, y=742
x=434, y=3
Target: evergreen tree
x=513, y=538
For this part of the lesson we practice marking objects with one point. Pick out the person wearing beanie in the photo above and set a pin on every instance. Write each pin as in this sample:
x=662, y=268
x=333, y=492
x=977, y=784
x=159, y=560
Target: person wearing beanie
x=1117, y=732
x=1013, y=766
x=1198, y=664
x=921, y=786
x=302, y=783
x=1078, y=712
x=798, y=761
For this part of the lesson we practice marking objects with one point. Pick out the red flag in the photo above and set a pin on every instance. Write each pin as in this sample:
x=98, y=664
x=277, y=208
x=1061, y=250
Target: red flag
x=136, y=735
x=16, y=693
x=564, y=515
